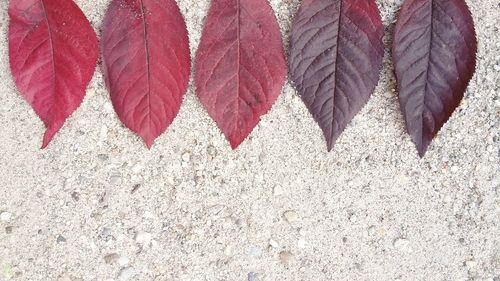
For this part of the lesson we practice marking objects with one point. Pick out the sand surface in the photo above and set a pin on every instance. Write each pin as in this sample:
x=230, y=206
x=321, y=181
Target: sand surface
x=97, y=205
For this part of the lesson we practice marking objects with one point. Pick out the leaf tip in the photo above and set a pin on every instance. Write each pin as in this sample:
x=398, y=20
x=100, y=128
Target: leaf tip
x=422, y=147
x=149, y=142
x=234, y=143
x=329, y=146
x=421, y=151
x=49, y=135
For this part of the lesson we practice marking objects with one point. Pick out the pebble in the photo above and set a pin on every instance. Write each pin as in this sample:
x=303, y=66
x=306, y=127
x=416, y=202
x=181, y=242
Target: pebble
x=126, y=273
x=143, y=238
x=255, y=251
x=123, y=261
x=371, y=230
x=301, y=243
x=286, y=258
x=228, y=250
x=137, y=168
x=111, y=258
x=278, y=190
x=252, y=276
x=8, y=229
x=186, y=157
x=60, y=239
x=273, y=243
x=64, y=277
x=471, y=263
x=5, y=216
x=212, y=151
x=402, y=244
x=291, y=216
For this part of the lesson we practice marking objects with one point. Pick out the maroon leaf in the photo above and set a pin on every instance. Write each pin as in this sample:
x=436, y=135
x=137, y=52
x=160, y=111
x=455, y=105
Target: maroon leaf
x=336, y=53
x=146, y=63
x=240, y=65
x=434, y=54
x=53, y=53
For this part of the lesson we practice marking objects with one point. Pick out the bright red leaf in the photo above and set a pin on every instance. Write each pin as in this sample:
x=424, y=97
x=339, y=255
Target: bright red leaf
x=146, y=62
x=434, y=54
x=336, y=53
x=240, y=65
x=53, y=53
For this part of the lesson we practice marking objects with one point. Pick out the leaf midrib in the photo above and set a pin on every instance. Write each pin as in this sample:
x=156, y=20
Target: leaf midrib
x=146, y=47
x=52, y=55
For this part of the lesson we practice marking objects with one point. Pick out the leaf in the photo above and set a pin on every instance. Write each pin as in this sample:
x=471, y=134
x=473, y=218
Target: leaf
x=146, y=63
x=336, y=53
x=240, y=65
x=53, y=53
x=434, y=54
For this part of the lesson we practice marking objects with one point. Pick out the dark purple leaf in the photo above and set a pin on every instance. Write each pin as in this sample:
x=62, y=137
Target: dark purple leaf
x=434, y=54
x=335, y=59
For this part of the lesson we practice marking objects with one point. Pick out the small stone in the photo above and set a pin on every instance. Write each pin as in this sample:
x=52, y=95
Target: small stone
x=103, y=157
x=291, y=216
x=286, y=258
x=471, y=263
x=111, y=258
x=273, y=243
x=278, y=190
x=255, y=251
x=137, y=168
x=60, y=239
x=123, y=261
x=5, y=216
x=126, y=273
x=106, y=234
x=148, y=215
x=8, y=229
x=301, y=243
x=212, y=151
x=186, y=157
x=353, y=218
x=228, y=250
x=402, y=244
x=64, y=277
x=76, y=196
x=143, y=238
x=454, y=169
x=371, y=230
x=135, y=188
x=252, y=276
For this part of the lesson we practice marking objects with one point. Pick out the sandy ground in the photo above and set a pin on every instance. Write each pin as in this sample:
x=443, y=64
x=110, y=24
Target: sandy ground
x=97, y=205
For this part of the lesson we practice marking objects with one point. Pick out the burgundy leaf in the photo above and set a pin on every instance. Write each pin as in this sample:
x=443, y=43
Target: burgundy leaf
x=336, y=53
x=146, y=63
x=240, y=65
x=53, y=53
x=434, y=54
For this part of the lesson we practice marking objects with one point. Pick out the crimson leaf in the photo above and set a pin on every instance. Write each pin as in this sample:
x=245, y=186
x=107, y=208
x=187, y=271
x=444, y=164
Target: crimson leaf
x=336, y=53
x=434, y=54
x=146, y=63
x=240, y=65
x=53, y=53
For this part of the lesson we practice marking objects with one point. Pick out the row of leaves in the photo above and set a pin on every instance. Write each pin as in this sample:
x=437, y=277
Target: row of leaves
x=335, y=58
